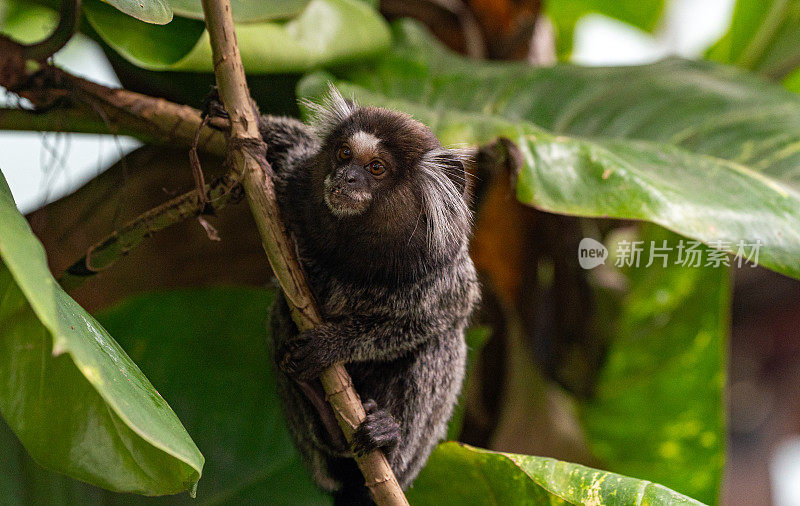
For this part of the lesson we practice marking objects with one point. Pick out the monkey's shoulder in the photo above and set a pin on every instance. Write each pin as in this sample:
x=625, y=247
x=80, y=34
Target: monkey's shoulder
x=281, y=133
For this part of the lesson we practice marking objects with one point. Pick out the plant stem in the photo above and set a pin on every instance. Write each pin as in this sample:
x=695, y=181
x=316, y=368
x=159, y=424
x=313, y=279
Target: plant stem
x=67, y=23
x=247, y=154
x=119, y=243
x=89, y=107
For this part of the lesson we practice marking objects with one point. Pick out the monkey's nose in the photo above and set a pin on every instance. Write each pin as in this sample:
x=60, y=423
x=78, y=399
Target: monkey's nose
x=351, y=176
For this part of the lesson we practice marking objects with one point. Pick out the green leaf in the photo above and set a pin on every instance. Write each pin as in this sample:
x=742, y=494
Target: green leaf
x=565, y=14
x=658, y=412
x=203, y=345
x=762, y=37
x=352, y=31
x=243, y=10
x=701, y=149
x=25, y=22
x=150, y=11
x=462, y=474
x=24, y=482
x=475, y=337
x=148, y=45
x=792, y=81
x=207, y=351
x=77, y=402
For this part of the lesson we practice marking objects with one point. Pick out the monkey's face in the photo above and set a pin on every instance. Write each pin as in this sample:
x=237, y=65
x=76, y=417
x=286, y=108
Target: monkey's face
x=361, y=168
x=384, y=172
x=381, y=181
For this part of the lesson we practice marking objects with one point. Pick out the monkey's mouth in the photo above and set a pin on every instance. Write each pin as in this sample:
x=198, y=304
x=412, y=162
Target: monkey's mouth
x=344, y=203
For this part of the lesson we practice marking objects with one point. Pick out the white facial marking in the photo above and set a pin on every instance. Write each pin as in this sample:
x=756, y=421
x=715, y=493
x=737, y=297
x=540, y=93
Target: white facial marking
x=364, y=144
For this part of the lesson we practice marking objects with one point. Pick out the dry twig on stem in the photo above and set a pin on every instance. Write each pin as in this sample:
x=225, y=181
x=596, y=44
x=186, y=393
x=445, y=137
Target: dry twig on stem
x=106, y=252
x=248, y=155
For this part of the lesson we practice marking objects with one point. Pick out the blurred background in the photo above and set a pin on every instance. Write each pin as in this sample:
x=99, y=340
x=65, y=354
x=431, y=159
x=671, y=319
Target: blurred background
x=763, y=456
x=42, y=167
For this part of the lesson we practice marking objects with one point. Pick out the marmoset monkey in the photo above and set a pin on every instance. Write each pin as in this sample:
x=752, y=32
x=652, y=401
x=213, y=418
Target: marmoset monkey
x=378, y=210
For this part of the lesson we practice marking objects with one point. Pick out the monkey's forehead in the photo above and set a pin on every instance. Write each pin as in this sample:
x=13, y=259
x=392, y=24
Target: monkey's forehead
x=364, y=144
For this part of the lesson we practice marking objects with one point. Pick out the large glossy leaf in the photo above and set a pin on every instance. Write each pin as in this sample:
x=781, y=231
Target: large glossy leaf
x=70, y=393
x=150, y=11
x=762, y=37
x=700, y=149
x=149, y=45
x=658, y=412
x=352, y=30
x=460, y=474
x=24, y=482
x=243, y=10
x=201, y=345
x=565, y=14
x=206, y=349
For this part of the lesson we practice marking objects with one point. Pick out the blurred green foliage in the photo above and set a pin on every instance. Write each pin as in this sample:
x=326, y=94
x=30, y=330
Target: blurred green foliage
x=702, y=149
x=565, y=14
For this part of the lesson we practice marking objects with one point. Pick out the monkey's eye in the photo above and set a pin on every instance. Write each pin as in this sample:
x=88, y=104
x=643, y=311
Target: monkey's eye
x=376, y=168
x=344, y=153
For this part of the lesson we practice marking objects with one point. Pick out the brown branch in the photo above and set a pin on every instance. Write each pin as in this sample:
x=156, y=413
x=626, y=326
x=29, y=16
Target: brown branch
x=64, y=102
x=247, y=153
x=168, y=122
x=119, y=243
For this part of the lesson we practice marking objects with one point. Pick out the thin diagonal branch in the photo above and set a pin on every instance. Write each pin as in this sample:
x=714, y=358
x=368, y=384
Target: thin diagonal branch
x=118, y=244
x=247, y=154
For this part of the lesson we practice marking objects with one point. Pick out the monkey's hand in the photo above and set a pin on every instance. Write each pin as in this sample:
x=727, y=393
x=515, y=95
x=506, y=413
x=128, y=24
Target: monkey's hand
x=378, y=430
x=306, y=355
x=212, y=105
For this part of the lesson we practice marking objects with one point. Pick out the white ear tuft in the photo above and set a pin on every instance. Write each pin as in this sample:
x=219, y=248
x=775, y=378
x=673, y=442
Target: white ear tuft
x=333, y=110
x=443, y=184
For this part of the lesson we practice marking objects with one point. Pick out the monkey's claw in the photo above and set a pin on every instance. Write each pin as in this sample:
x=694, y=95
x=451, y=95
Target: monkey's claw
x=378, y=430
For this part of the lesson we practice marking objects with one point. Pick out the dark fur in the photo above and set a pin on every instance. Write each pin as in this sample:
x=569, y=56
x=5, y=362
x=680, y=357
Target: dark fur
x=395, y=285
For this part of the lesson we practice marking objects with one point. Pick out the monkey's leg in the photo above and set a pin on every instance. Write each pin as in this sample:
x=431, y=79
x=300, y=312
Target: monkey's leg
x=379, y=430
x=353, y=491
x=283, y=328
